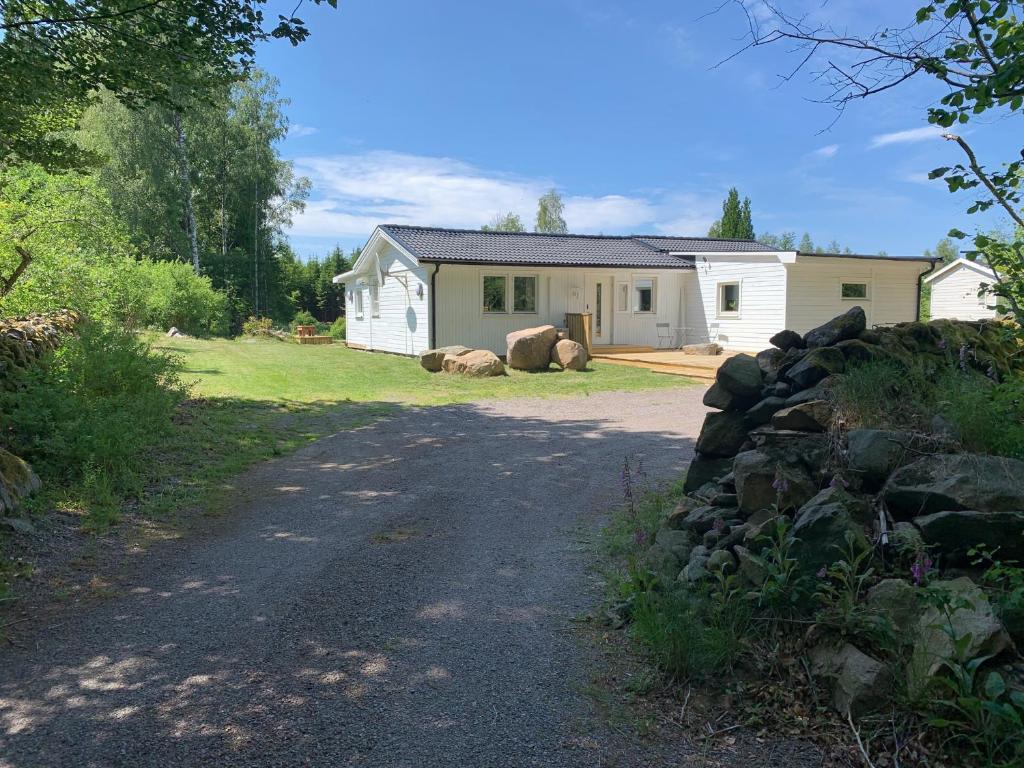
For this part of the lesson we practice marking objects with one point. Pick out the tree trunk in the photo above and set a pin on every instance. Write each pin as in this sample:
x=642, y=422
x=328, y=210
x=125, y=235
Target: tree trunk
x=186, y=190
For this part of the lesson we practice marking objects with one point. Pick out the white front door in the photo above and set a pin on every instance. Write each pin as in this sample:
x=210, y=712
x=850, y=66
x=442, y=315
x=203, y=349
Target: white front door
x=599, y=303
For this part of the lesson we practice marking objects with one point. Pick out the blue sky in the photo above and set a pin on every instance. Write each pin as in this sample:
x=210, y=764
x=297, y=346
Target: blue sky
x=445, y=112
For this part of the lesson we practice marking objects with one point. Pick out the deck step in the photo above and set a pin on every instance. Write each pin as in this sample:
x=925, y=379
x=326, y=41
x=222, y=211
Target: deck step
x=690, y=371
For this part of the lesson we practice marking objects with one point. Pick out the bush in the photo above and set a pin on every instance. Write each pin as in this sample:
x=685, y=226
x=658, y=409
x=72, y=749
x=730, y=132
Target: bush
x=337, y=330
x=302, y=317
x=177, y=296
x=257, y=326
x=83, y=416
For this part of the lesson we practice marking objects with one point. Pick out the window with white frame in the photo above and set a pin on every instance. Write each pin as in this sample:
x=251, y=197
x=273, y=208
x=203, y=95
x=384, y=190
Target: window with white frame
x=524, y=293
x=495, y=294
x=853, y=290
x=357, y=299
x=729, y=299
x=374, y=300
x=644, y=294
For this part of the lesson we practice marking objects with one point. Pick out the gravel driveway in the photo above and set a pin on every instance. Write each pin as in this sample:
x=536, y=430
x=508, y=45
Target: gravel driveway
x=398, y=595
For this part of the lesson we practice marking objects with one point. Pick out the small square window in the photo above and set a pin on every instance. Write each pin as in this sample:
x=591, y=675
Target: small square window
x=643, y=294
x=524, y=293
x=854, y=290
x=728, y=298
x=495, y=294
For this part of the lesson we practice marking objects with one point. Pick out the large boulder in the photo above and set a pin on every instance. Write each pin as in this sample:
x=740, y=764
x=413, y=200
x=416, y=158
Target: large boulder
x=954, y=533
x=721, y=398
x=950, y=482
x=787, y=340
x=705, y=348
x=874, y=454
x=823, y=524
x=896, y=601
x=815, y=366
x=530, y=348
x=705, y=469
x=846, y=326
x=479, y=362
x=433, y=359
x=770, y=360
x=762, y=481
x=17, y=481
x=741, y=375
x=820, y=391
x=969, y=622
x=812, y=416
x=762, y=412
x=860, y=683
x=722, y=435
x=569, y=355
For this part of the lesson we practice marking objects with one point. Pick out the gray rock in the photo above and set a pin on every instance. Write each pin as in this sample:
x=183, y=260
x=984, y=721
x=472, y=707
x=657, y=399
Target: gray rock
x=786, y=340
x=856, y=351
x=741, y=375
x=971, y=622
x=950, y=482
x=705, y=469
x=846, y=326
x=896, y=600
x=702, y=519
x=860, y=683
x=675, y=518
x=707, y=348
x=751, y=567
x=661, y=561
x=724, y=500
x=719, y=397
x=764, y=410
x=954, y=533
x=822, y=525
x=815, y=366
x=782, y=389
x=721, y=560
x=807, y=449
x=793, y=356
x=17, y=481
x=756, y=472
x=770, y=360
x=696, y=569
x=722, y=435
x=820, y=391
x=812, y=416
x=569, y=355
x=530, y=348
x=18, y=525
x=432, y=359
x=478, y=362
x=874, y=454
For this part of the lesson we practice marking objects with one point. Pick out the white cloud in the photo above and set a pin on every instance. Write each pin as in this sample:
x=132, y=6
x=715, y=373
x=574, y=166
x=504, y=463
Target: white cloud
x=355, y=192
x=829, y=150
x=908, y=136
x=298, y=130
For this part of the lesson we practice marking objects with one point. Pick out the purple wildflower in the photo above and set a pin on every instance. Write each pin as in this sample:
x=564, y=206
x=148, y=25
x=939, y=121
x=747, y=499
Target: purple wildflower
x=640, y=537
x=781, y=485
x=919, y=570
x=822, y=573
x=941, y=344
x=838, y=481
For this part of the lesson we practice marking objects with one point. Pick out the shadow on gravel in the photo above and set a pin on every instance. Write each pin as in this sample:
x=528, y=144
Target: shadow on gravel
x=394, y=595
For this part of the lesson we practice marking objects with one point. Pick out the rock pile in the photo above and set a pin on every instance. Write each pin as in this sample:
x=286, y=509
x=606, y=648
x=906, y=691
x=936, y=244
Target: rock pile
x=772, y=449
x=531, y=349
x=24, y=340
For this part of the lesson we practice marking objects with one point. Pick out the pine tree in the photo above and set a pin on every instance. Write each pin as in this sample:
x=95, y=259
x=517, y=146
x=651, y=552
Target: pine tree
x=549, y=215
x=806, y=244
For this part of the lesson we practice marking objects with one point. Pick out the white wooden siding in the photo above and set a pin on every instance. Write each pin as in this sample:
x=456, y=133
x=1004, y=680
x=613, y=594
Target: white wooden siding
x=955, y=295
x=403, y=325
x=461, y=319
x=813, y=291
x=762, y=280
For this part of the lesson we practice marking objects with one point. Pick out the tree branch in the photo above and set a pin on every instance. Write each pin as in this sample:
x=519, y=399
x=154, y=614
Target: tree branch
x=26, y=259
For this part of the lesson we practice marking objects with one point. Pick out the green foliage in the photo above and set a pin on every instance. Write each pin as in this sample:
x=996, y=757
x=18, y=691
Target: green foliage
x=1004, y=581
x=504, y=222
x=302, y=317
x=83, y=417
x=174, y=295
x=736, y=221
x=56, y=54
x=257, y=326
x=338, y=330
x=786, y=589
x=549, y=215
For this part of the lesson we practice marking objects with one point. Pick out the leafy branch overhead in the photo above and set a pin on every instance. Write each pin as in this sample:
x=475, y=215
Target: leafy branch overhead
x=56, y=54
x=972, y=49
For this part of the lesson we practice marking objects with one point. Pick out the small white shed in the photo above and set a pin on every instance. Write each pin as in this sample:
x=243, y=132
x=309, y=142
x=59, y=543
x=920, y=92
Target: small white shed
x=957, y=291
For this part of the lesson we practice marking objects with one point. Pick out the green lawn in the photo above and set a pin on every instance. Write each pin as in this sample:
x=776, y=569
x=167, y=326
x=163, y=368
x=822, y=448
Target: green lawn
x=277, y=371
x=256, y=399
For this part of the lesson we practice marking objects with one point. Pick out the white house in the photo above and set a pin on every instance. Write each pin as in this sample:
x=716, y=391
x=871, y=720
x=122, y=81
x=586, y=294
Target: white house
x=415, y=288
x=957, y=291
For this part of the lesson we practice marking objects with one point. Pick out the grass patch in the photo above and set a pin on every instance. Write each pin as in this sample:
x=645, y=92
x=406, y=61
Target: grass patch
x=275, y=371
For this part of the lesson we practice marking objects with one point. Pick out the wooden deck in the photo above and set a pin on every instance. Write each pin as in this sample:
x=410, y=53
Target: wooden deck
x=670, y=361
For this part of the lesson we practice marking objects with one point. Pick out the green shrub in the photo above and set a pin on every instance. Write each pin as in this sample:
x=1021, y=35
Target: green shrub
x=83, y=417
x=177, y=296
x=257, y=326
x=302, y=317
x=337, y=330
